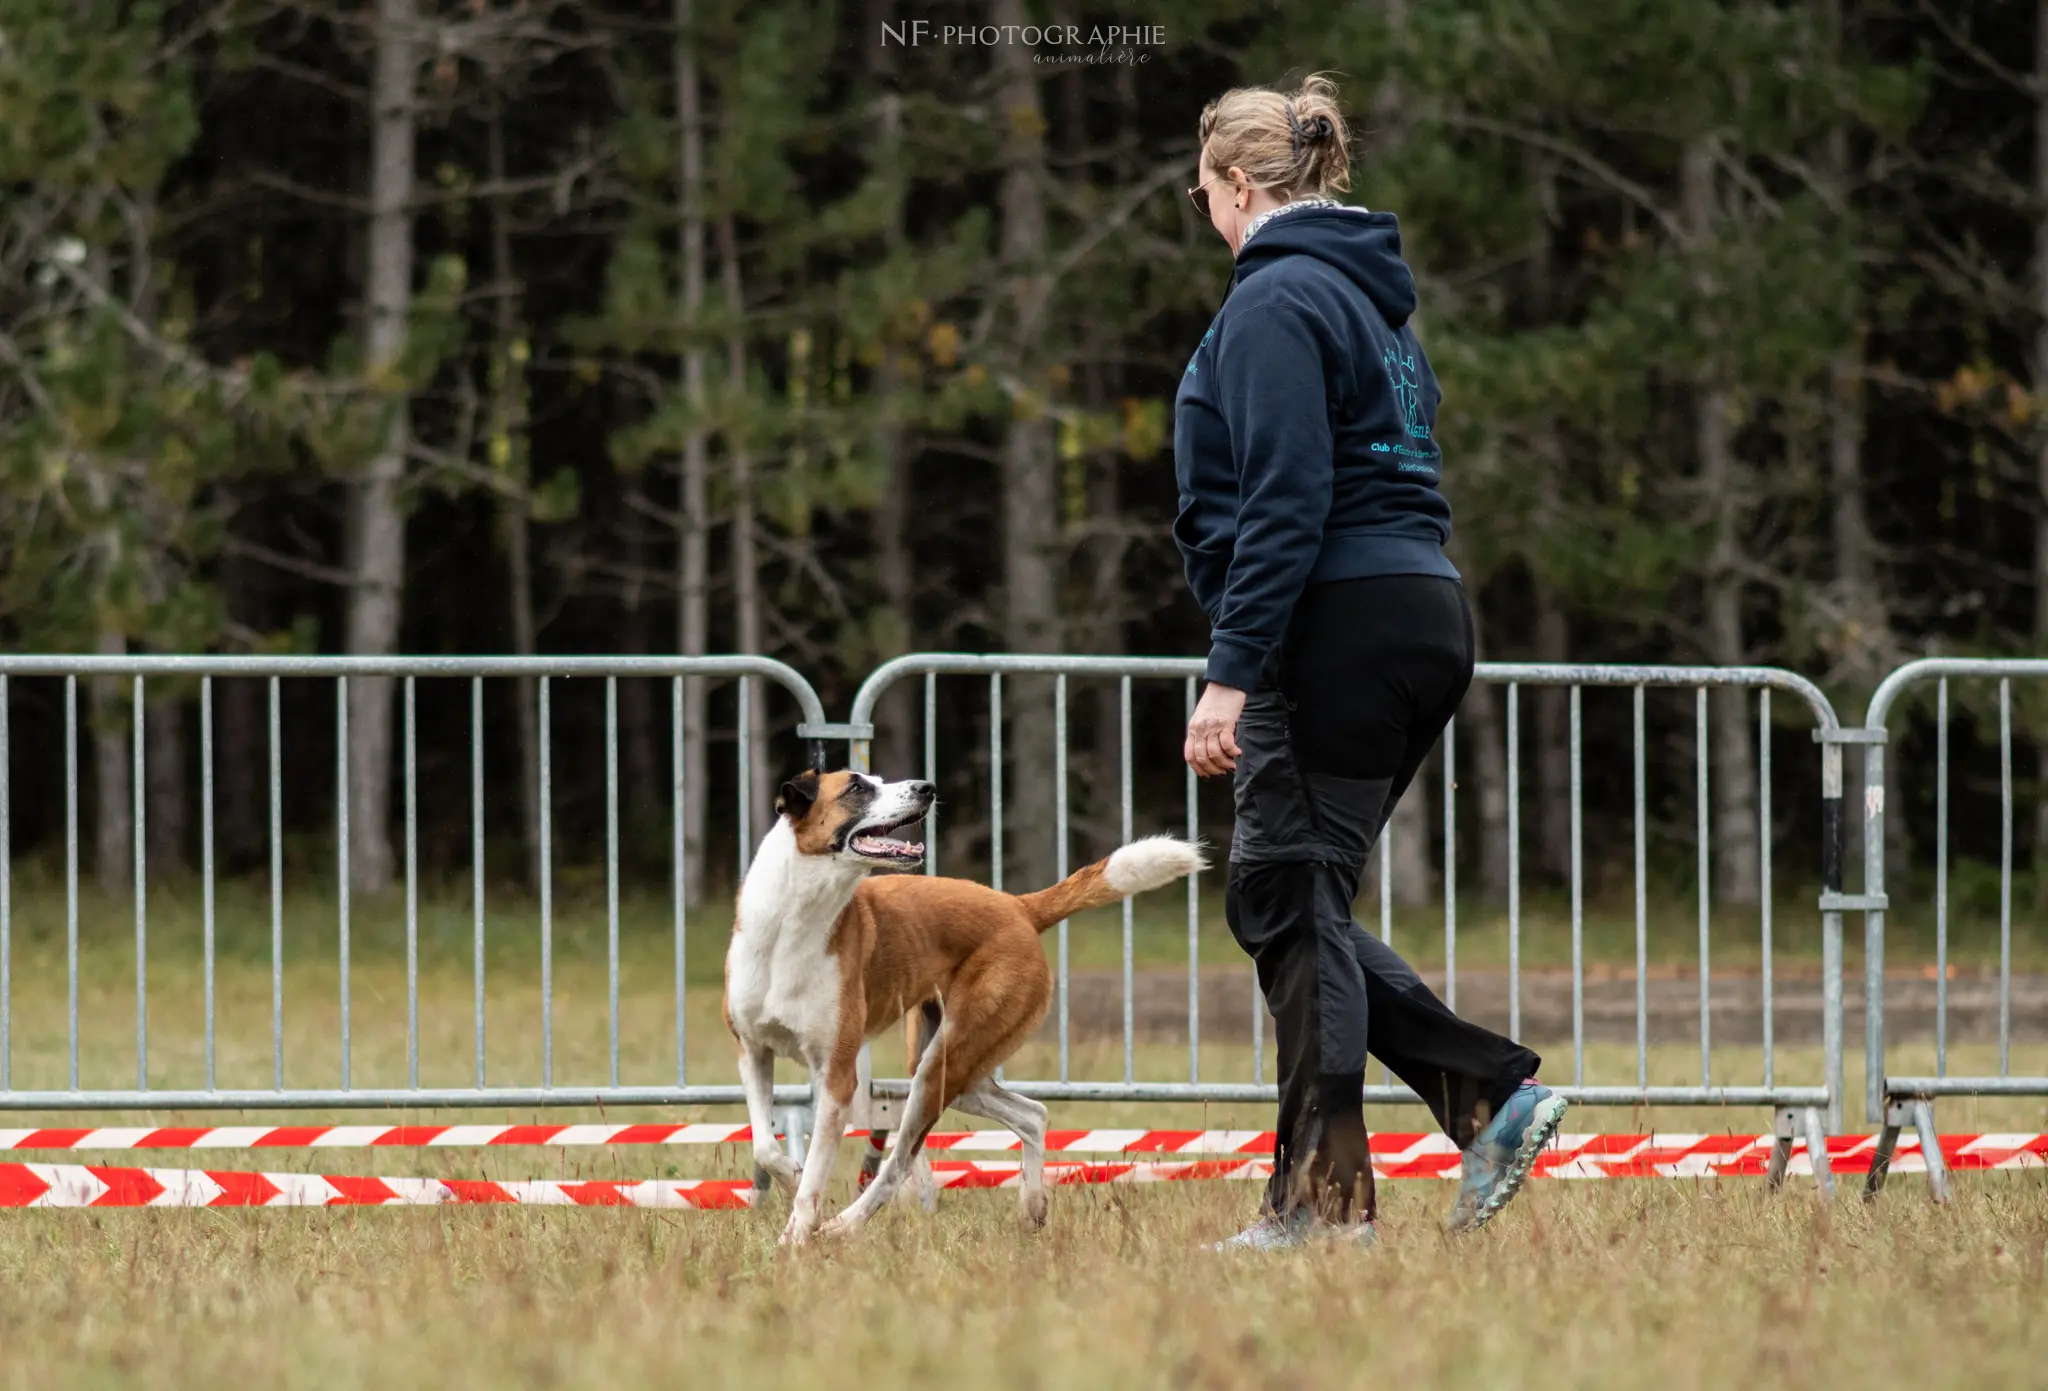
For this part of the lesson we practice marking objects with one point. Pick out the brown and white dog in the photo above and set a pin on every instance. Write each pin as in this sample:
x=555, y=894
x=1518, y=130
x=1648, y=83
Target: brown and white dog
x=823, y=957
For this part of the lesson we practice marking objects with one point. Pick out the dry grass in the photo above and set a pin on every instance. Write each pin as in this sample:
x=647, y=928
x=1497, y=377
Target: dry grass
x=1674, y=1285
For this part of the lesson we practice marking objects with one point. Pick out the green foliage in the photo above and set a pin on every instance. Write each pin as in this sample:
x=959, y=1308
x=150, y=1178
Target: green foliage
x=110, y=432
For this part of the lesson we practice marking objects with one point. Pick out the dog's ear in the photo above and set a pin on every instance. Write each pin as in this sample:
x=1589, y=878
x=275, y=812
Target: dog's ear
x=797, y=795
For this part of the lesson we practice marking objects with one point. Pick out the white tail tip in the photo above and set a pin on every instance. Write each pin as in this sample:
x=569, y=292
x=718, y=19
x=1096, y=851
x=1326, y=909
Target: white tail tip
x=1151, y=863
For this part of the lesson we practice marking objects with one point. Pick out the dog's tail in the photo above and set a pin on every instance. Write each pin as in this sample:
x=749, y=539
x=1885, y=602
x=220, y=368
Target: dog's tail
x=1151, y=863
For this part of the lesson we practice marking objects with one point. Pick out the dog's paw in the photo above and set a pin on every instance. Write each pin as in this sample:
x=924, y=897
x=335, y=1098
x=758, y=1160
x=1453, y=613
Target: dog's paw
x=780, y=1168
x=924, y=1185
x=920, y=1195
x=839, y=1228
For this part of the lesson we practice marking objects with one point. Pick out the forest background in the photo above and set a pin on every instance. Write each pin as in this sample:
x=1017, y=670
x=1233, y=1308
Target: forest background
x=700, y=327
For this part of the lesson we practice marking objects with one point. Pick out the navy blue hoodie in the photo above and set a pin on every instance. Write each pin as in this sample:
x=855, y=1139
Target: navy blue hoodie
x=1304, y=432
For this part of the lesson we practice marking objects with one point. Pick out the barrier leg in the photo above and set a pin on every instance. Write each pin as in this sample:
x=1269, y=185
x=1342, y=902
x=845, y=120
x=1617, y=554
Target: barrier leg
x=1817, y=1152
x=867, y=1115
x=1887, y=1145
x=794, y=1133
x=1784, y=1127
x=871, y=1157
x=1930, y=1149
x=860, y=1115
x=796, y=1130
x=921, y=1182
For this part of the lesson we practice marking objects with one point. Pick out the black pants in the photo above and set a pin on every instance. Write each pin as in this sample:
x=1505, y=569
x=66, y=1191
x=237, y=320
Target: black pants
x=1369, y=674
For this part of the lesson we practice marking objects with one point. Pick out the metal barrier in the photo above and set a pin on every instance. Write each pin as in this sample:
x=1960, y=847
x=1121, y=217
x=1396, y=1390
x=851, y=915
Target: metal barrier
x=1901, y=1101
x=407, y=671
x=1811, y=1109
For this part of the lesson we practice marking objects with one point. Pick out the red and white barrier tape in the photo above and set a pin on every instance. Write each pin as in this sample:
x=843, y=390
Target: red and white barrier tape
x=1576, y=1157
x=369, y=1136
x=1395, y=1155
x=80, y=1185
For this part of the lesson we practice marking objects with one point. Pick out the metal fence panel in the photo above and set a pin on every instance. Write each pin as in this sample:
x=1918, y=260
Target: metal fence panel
x=293, y=1092
x=1884, y=1091
x=1822, y=1092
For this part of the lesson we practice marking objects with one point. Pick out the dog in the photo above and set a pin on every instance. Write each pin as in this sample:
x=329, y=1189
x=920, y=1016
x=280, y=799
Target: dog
x=824, y=957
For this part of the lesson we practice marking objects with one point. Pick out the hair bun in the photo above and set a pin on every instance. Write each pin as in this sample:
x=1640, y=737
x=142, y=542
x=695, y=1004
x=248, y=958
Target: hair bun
x=1292, y=142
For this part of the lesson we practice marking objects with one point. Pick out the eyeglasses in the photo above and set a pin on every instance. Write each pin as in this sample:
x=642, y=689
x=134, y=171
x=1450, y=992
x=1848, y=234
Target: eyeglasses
x=1199, y=195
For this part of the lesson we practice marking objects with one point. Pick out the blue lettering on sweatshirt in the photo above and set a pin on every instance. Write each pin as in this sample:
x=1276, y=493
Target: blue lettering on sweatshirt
x=1407, y=391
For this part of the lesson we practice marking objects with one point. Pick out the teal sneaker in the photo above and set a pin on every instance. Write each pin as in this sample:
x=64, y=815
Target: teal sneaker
x=1272, y=1232
x=1354, y=1234
x=1499, y=1159
x=1299, y=1228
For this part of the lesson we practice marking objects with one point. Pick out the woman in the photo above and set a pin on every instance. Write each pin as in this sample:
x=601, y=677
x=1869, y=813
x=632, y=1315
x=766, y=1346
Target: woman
x=1313, y=531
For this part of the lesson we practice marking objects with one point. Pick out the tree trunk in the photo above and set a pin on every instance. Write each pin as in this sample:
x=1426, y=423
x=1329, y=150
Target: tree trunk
x=2040, y=375
x=746, y=580
x=1868, y=637
x=1552, y=628
x=1735, y=854
x=169, y=792
x=241, y=806
x=376, y=525
x=111, y=721
x=241, y=725
x=1482, y=767
x=164, y=788
x=640, y=756
x=519, y=566
x=1410, y=827
x=514, y=517
x=692, y=617
x=899, y=721
x=1553, y=729
x=1390, y=112
x=1864, y=638
x=1107, y=548
x=1105, y=583
x=1865, y=645
x=1030, y=477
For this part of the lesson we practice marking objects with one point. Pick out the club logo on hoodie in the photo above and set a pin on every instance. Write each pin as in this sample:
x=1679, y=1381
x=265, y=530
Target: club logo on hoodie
x=1407, y=391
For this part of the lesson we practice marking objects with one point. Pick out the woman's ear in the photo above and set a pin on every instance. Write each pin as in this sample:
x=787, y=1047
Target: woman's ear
x=1242, y=185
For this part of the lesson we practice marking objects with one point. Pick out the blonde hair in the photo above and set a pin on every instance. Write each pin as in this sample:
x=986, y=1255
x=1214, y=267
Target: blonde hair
x=1294, y=143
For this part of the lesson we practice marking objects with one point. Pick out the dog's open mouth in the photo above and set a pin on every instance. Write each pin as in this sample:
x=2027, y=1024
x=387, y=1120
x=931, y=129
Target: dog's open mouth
x=875, y=843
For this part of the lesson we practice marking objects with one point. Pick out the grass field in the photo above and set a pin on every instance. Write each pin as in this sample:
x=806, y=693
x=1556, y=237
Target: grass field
x=1676, y=1283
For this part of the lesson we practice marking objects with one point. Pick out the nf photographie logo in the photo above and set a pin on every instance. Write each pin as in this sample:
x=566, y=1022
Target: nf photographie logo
x=1054, y=43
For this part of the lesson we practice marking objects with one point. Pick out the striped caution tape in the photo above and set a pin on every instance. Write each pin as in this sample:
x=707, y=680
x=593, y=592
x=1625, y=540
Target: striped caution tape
x=1593, y=1157
x=1396, y=1155
x=439, y=1136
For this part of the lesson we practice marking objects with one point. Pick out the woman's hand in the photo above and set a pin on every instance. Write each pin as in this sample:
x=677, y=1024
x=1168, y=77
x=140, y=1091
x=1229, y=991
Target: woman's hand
x=1211, y=746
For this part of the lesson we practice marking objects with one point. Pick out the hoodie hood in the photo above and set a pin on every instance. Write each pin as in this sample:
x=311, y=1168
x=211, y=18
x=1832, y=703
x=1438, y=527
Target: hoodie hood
x=1365, y=246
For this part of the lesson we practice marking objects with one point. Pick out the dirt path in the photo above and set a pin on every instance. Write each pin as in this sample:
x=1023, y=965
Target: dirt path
x=1161, y=1006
